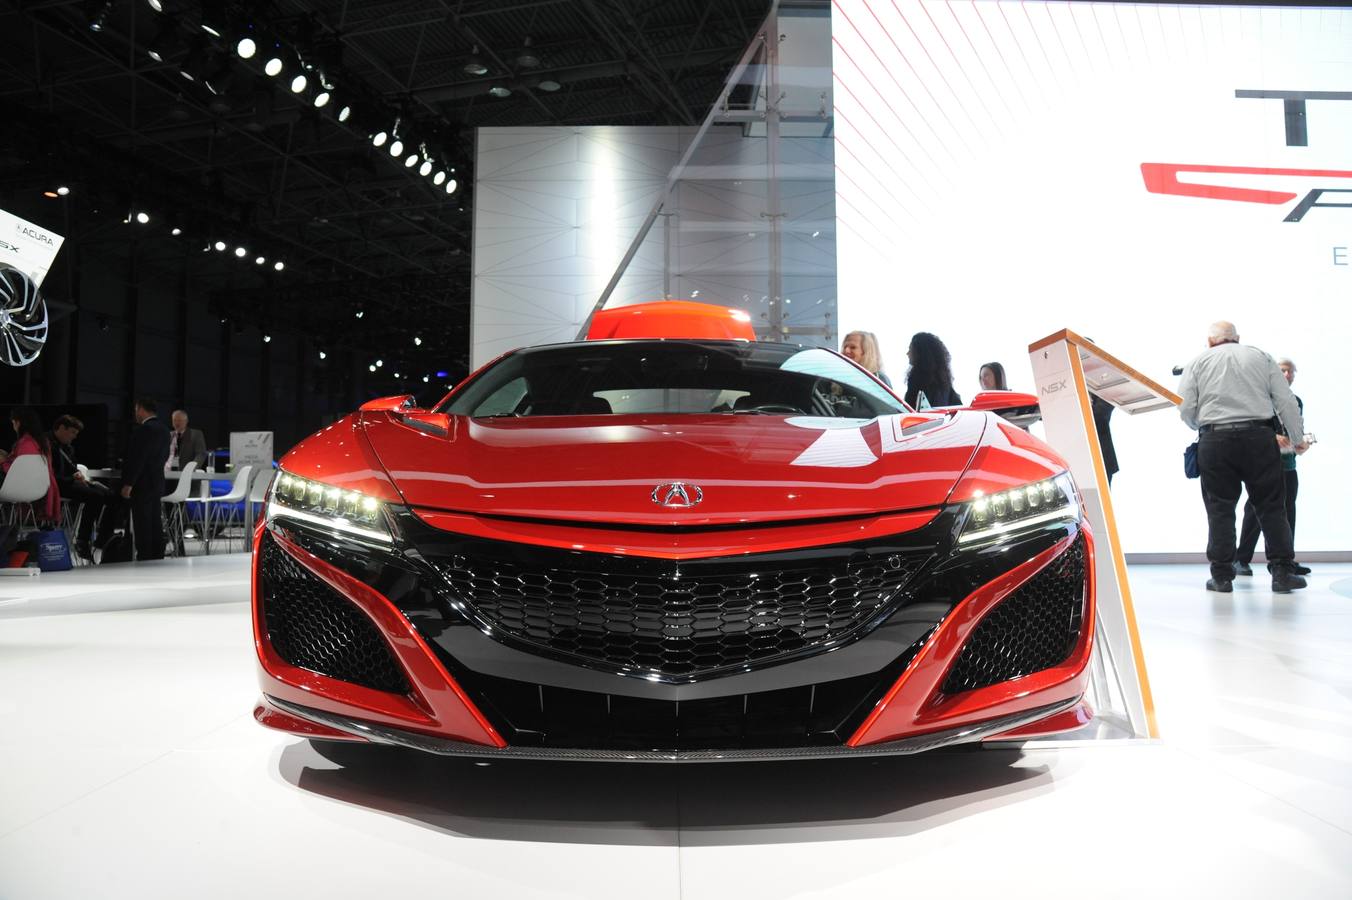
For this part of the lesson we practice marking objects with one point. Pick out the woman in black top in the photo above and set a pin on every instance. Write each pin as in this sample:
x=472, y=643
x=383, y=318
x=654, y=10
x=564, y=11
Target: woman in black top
x=930, y=373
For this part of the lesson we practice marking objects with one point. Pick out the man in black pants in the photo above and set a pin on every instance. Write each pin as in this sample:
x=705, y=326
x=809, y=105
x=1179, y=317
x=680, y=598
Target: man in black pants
x=143, y=479
x=1229, y=393
x=93, y=497
x=1248, y=531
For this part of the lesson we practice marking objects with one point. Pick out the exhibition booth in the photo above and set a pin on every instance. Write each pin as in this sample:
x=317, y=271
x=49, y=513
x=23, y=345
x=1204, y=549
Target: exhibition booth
x=1074, y=191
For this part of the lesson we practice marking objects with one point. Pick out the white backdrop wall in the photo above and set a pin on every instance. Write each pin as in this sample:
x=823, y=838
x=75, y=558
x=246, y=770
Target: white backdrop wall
x=990, y=191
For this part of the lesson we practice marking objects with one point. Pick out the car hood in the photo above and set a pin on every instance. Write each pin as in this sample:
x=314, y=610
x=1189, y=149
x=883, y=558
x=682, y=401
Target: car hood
x=740, y=469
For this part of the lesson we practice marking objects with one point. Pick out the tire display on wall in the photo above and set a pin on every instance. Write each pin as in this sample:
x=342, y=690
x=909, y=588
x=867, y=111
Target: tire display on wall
x=23, y=318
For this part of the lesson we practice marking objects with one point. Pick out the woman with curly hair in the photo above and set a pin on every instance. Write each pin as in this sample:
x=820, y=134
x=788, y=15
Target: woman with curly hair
x=930, y=373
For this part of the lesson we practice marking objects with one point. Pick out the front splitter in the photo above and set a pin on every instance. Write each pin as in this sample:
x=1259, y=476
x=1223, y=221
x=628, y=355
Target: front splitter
x=378, y=734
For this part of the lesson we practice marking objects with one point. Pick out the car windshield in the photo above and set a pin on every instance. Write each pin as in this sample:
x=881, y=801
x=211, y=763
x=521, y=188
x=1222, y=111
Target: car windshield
x=674, y=377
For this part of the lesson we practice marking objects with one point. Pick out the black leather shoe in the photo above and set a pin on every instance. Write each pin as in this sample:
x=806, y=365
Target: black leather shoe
x=1284, y=581
x=1299, y=569
x=1243, y=568
x=1220, y=587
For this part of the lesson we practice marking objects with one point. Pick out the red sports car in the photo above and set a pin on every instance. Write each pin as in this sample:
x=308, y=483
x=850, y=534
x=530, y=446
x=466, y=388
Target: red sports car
x=672, y=550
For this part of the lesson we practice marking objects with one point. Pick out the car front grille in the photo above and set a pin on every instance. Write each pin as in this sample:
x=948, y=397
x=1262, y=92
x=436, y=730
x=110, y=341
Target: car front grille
x=679, y=619
x=313, y=627
x=1034, y=628
x=826, y=714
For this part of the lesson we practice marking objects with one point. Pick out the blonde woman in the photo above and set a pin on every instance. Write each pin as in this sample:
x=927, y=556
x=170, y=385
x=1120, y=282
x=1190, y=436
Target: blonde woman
x=862, y=348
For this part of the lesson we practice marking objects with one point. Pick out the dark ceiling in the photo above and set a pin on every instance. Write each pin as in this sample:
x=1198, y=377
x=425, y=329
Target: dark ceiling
x=205, y=142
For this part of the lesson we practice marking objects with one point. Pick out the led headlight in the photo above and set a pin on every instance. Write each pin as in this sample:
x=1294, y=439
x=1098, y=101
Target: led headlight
x=1020, y=508
x=327, y=506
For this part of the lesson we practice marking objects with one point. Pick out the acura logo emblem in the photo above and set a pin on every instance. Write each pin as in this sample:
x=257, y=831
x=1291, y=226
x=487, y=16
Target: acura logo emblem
x=677, y=494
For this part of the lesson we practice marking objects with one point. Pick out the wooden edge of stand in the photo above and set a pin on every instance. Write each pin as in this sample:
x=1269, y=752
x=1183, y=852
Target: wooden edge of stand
x=1114, y=547
x=1070, y=337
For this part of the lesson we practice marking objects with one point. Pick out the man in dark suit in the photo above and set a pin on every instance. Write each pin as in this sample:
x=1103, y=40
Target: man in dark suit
x=143, y=478
x=186, y=444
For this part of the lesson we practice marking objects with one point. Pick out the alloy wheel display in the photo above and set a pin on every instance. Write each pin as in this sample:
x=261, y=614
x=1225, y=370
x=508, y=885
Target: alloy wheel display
x=23, y=318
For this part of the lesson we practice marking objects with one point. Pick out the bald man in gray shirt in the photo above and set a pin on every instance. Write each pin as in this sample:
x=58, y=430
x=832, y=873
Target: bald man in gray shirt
x=1229, y=395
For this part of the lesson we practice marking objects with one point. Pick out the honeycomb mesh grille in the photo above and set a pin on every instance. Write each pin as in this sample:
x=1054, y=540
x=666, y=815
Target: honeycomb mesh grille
x=1032, y=629
x=314, y=627
x=679, y=624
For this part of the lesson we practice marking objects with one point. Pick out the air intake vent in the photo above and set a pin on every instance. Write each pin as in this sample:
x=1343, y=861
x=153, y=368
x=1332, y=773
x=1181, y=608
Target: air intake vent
x=313, y=627
x=1032, y=629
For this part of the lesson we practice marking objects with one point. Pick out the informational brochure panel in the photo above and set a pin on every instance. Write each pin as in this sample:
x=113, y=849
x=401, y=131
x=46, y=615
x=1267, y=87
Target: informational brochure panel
x=27, y=247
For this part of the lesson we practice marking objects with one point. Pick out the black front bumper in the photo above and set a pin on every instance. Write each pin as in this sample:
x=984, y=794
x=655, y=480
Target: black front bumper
x=785, y=671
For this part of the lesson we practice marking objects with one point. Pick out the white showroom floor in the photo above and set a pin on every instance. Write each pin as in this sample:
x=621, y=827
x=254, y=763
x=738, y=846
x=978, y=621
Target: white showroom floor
x=130, y=766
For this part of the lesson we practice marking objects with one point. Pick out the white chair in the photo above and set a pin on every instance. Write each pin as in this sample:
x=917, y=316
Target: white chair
x=223, y=511
x=175, y=503
x=26, y=483
x=257, y=494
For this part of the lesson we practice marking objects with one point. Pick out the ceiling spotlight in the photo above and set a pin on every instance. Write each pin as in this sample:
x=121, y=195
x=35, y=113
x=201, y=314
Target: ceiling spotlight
x=371, y=368
x=344, y=113
x=267, y=339
x=175, y=231
x=451, y=186
x=360, y=313
x=219, y=245
x=474, y=65
x=241, y=252
x=411, y=161
x=156, y=5
x=143, y=217
x=379, y=363
x=278, y=265
x=273, y=67
x=425, y=379
x=439, y=178
x=417, y=341
x=527, y=59
x=323, y=355
x=426, y=168
x=379, y=138
x=397, y=148
x=213, y=20
x=299, y=83
x=98, y=14
x=499, y=90
x=397, y=375
x=62, y=191
x=322, y=99
x=259, y=260
x=246, y=48
x=549, y=85
x=50, y=195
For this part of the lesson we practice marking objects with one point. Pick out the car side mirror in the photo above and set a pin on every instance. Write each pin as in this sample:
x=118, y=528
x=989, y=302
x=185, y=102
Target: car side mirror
x=1015, y=406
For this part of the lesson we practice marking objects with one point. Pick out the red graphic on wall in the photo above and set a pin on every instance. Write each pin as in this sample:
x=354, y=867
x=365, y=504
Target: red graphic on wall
x=1162, y=178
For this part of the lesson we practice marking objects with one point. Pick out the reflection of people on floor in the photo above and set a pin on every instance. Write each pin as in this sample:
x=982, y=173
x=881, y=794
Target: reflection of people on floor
x=1250, y=529
x=91, y=498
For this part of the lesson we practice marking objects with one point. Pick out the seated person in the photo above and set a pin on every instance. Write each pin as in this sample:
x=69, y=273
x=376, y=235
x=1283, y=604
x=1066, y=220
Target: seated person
x=32, y=440
x=94, y=498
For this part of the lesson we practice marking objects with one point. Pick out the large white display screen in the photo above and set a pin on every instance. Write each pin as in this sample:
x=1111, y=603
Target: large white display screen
x=1132, y=172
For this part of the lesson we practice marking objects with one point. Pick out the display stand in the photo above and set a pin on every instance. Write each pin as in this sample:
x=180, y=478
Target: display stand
x=1068, y=369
